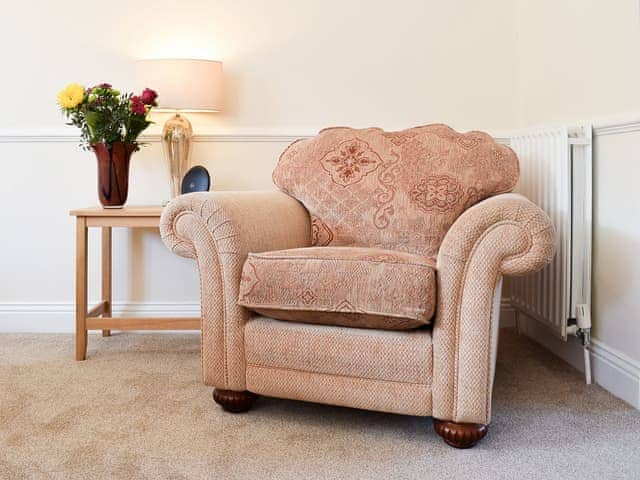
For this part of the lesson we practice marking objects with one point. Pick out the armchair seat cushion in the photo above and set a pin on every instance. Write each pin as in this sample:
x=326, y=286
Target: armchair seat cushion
x=341, y=286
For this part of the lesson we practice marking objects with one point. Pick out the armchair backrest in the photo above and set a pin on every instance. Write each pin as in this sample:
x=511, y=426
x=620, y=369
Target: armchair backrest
x=395, y=190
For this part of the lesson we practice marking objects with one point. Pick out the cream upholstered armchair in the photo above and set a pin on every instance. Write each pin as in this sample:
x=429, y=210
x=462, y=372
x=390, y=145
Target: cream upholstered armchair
x=371, y=280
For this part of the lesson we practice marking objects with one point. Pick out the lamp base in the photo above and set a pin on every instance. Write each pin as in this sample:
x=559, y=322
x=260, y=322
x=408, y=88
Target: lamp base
x=177, y=136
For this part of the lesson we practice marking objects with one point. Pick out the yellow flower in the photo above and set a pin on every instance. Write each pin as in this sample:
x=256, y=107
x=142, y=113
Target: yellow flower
x=71, y=96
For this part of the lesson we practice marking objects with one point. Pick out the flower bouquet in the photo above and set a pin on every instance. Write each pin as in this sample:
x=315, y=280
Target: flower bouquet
x=110, y=123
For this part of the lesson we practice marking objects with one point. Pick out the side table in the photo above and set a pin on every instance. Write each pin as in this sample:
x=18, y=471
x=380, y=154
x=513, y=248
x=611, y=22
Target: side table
x=99, y=317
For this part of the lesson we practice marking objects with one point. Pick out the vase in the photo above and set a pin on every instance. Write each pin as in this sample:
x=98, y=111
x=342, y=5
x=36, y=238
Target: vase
x=113, y=172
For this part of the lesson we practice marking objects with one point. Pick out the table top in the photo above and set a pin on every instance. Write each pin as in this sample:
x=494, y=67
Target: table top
x=125, y=212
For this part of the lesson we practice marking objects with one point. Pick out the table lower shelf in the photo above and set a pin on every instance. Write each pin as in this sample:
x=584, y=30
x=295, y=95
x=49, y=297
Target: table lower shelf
x=142, y=323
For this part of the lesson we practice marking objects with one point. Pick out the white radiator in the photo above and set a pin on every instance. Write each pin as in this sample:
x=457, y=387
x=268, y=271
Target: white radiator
x=555, y=173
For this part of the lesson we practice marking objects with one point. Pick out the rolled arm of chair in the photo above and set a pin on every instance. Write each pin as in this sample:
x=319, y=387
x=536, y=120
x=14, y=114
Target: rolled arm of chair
x=218, y=230
x=506, y=234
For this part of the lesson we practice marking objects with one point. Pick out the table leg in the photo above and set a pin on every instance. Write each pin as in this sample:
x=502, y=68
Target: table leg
x=106, y=275
x=81, y=288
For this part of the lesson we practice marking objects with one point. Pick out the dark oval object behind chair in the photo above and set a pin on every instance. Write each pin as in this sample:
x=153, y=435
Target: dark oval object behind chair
x=197, y=179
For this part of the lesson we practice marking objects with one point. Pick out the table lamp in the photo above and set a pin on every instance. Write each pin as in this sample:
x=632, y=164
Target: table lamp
x=183, y=86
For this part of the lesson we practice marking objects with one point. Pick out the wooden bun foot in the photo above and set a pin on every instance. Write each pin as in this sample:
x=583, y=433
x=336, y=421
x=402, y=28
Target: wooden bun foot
x=460, y=435
x=234, y=402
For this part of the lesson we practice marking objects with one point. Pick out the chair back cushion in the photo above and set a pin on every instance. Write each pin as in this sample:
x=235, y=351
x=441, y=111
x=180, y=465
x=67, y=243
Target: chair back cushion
x=393, y=190
x=342, y=286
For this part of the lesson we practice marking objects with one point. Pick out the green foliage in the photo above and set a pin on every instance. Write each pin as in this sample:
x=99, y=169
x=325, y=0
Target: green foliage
x=106, y=115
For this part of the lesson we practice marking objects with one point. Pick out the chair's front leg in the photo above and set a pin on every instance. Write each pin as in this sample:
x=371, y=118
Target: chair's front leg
x=232, y=401
x=460, y=435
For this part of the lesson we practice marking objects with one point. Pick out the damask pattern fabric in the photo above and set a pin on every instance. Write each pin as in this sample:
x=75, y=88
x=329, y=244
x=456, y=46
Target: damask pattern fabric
x=348, y=286
x=393, y=190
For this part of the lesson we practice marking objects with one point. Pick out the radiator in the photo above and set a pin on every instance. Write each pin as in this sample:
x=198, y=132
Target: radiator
x=555, y=173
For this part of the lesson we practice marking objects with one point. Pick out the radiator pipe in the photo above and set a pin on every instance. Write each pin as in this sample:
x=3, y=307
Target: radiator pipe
x=587, y=365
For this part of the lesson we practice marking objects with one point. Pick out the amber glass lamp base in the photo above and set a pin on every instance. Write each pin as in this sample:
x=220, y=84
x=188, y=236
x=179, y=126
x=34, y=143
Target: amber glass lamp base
x=177, y=136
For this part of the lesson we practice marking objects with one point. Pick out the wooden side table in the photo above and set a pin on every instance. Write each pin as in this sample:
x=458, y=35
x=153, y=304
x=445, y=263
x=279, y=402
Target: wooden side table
x=99, y=317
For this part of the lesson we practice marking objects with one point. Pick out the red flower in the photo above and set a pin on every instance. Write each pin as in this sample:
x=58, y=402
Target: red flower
x=148, y=96
x=137, y=106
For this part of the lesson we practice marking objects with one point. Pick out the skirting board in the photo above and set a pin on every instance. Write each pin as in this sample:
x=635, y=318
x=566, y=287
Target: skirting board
x=507, y=314
x=612, y=370
x=60, y=317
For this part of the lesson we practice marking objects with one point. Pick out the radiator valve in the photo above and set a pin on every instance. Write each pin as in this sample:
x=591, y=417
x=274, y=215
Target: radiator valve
x=583, y=322
x=581, y=328
x=581, y=325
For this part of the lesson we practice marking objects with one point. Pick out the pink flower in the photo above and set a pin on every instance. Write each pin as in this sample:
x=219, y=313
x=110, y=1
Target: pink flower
x=104, y=85
x=137, y=106
x=148, y=96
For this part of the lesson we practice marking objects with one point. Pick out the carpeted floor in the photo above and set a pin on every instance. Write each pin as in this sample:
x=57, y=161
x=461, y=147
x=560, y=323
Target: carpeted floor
x=137, y=409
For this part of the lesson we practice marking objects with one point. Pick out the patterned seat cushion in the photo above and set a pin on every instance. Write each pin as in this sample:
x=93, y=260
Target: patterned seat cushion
x=343, y=286
x=393, y=190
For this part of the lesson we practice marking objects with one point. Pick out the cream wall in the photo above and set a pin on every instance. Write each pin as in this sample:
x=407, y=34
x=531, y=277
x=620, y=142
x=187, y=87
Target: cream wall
x=578, y=62
x=616, y=263
x=291, y=66
x=288, y=63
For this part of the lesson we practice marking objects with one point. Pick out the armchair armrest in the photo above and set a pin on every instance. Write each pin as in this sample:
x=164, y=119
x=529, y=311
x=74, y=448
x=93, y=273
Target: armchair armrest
x=506, y=234
x=218, y=230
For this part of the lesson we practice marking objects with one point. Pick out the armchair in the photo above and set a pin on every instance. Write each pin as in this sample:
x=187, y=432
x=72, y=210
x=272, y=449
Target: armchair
x=369, y=202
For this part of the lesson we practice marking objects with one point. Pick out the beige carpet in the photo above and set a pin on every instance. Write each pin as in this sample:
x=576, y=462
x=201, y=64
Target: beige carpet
x=137, y=409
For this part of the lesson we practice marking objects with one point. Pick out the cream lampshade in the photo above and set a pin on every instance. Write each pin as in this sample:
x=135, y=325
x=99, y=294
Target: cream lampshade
x=183, y=86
